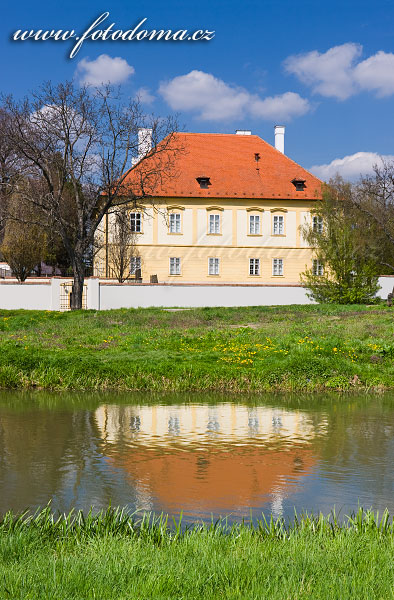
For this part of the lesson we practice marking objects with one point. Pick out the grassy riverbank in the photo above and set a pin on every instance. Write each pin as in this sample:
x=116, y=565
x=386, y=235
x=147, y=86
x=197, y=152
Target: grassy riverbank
x=113, y=557
x=322, y=347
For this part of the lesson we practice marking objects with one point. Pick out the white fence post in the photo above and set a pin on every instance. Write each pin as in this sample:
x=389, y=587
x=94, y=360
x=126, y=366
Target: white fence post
x=55, y=293
x=93, y=293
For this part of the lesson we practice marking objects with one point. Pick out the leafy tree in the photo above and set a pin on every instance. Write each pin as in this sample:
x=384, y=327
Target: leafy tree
x=88, y=139
x=345, y=268
x=24, y=243
x=9, y=170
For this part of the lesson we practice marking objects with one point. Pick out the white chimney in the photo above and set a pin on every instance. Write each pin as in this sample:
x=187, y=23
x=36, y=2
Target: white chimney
x=280, y=138
x=144, y=144
x=243, y=132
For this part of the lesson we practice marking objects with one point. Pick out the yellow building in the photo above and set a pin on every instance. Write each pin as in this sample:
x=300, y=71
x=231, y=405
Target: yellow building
x=232, y=214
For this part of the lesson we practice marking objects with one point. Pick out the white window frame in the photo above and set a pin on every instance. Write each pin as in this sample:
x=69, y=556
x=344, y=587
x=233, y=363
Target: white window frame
x=254, y=224
x=213, y=266
x=277, y=267
x=278, y=225
x=317, y=224
x=175, y=265
x=317, y=268
x=254, y=267
x=214, y=224
x=175, y=222
x=137, y=218
x=135, y=264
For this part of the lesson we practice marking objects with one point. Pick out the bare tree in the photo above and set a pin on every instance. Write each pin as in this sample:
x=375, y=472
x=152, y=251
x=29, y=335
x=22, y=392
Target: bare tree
x=373, y=199
x=122, y=250
x=87, y=139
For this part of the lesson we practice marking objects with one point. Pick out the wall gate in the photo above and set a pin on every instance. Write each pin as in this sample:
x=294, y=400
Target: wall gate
x=66, y=291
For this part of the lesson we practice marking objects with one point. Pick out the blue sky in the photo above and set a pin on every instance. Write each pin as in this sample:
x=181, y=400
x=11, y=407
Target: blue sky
x=325, y=70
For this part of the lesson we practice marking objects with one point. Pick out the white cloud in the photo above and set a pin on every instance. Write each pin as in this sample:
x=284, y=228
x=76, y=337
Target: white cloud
x=144, y=96
x=282, y=107
x=336, y=73
x=329, y=73
x=350, y=167
x=376, y=73
x=201, y=92
x=214, y=100
x=103, y=69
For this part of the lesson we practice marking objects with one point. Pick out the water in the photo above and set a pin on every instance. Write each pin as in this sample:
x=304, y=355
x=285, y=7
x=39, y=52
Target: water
x=205, y=455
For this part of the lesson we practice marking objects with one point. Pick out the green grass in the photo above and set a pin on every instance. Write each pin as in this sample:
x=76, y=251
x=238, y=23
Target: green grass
x=113, y=556
x=292, y=348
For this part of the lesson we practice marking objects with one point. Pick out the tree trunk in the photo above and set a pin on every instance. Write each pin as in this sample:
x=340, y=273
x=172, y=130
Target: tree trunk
x=21, y=275
x=390, y=298
x=79, y=278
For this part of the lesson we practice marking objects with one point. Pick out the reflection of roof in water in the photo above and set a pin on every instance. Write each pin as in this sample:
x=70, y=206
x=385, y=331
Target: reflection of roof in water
x=208, y=458
x=213, y=481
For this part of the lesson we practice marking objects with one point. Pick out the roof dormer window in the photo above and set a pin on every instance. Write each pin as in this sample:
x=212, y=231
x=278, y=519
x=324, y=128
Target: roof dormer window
x=204, y=182
x=299, y=184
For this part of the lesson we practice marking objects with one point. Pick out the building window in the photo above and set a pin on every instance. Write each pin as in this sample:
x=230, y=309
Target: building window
x=213, y=266
x=254, y=266
x=214, y=224
x=175, y=223
x=277, y=266
x=317, y=267
x=135, y=264
x=175, y=266
x=204, y=182
x=299, y=184
x=135, y=222
x=279, y=225
x=317, y=224
x=254, y=224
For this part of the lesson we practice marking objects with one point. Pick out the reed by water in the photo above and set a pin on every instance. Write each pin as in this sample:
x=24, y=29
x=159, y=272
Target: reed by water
x=115, y=555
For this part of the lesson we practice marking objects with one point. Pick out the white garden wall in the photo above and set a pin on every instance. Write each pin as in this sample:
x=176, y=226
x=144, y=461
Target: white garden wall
x=45, y=294
x=133, y=296
x=31, y=295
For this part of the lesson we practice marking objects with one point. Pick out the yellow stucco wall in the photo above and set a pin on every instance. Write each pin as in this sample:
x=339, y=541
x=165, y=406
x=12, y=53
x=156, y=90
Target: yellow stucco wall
x=234, y=245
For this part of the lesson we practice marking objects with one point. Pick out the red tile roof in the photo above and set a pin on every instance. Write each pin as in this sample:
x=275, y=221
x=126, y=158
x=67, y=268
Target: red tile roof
x=229, y=162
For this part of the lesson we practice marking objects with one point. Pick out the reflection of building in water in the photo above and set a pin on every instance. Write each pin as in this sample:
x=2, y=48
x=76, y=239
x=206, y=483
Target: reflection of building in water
x=201, y=458
x=218, y=480
x=201, y=424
